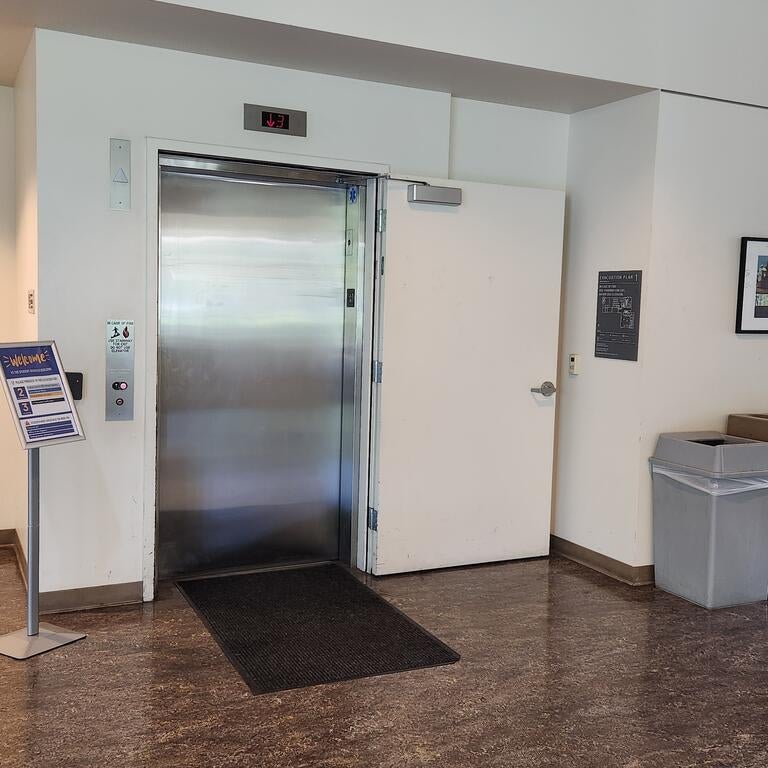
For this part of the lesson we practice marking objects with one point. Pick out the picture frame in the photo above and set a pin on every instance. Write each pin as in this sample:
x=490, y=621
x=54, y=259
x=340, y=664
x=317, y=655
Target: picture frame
x=752, y=300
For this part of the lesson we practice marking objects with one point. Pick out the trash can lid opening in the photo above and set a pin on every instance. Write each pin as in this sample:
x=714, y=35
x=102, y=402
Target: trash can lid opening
x=715, y=441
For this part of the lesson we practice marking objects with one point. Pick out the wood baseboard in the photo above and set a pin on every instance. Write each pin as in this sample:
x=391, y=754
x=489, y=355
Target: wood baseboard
x=634, y=575
x=85, y=598
x=10, y=539
x=66, y=600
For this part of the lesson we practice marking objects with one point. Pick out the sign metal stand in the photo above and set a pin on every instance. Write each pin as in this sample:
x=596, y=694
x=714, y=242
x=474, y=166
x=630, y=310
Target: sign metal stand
x=40, y=388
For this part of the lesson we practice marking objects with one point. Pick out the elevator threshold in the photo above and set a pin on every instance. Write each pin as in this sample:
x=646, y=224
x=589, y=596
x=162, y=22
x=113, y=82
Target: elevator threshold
x=244, y=570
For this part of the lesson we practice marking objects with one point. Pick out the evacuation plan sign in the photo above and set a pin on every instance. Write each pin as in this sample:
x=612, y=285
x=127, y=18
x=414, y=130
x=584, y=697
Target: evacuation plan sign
x=617, y=330
x=38, y=394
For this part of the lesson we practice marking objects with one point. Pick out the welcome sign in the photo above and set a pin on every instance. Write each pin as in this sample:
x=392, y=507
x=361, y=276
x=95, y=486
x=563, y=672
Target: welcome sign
x=38, y=394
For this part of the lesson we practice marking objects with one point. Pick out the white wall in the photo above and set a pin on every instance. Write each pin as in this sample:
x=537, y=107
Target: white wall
x=710, y=190
x=508, y=145
x=672, y=196
x=92, y=260
x=709, y=47
x=654, y=183
x=7, y=216
x=12, y=466
x=610, y=196
x=18, y=270
x=25, y=112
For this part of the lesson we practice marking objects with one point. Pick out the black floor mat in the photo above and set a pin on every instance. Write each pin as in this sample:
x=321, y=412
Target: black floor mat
x=305, y=626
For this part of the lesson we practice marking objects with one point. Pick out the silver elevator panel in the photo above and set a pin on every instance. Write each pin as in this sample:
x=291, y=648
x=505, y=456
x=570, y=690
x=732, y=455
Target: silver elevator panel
x=252, y=311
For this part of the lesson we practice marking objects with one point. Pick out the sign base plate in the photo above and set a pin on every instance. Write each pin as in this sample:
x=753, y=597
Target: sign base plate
x=20, y=645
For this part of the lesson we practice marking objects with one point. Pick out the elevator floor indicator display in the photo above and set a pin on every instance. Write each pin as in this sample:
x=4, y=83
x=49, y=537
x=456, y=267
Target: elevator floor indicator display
x=38, y=394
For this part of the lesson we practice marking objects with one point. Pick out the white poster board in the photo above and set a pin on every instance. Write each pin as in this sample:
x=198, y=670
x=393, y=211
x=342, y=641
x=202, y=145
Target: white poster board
x=38, y=394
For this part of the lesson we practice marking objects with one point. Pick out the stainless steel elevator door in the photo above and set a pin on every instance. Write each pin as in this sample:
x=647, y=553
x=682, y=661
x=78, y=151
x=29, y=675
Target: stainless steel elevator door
x=250, y=372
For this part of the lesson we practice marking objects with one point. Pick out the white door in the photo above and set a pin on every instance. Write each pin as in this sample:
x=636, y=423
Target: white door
x=468, y=324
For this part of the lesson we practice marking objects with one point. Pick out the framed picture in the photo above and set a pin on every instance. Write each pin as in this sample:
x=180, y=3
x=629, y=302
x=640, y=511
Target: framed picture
x=752, y=306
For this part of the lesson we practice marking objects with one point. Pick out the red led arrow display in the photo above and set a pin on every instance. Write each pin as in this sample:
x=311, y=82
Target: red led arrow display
x=277, y=120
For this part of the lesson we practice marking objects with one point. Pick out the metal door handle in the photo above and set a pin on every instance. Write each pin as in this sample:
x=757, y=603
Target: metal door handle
x=547, y=389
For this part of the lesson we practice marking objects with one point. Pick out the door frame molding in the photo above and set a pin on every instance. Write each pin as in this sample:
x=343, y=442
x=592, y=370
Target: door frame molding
x=154, y=147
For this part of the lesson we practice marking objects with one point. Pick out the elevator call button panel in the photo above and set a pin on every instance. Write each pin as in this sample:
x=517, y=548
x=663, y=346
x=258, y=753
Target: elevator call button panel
x=119, y=370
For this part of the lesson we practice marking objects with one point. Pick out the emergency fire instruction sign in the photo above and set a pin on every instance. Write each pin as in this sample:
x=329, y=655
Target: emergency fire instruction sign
x=38, y=394
x=617, y=331
x=119, y=369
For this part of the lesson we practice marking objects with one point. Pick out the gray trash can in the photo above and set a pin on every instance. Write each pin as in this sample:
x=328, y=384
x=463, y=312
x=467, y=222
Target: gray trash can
x=710, y=518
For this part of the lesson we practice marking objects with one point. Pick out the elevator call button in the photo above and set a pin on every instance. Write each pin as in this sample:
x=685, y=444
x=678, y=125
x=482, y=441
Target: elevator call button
x=119, y=379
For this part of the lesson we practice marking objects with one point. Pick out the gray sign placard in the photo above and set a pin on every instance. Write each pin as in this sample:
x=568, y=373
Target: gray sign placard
x=289, y=122
x=119, y=370
x=617, y=331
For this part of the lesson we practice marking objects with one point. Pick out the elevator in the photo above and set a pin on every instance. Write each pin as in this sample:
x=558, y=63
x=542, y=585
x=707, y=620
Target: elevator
x=263, y=283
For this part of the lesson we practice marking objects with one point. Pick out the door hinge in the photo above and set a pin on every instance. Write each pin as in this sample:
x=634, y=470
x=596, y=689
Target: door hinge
x=373, y=519
x=381, y=219
x=376, y=371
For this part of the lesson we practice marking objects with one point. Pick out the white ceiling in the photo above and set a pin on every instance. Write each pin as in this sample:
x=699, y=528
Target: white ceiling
x=186, y=29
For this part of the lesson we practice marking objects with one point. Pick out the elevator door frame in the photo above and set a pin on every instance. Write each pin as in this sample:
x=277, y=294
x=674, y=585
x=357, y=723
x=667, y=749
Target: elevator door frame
x=290, y=166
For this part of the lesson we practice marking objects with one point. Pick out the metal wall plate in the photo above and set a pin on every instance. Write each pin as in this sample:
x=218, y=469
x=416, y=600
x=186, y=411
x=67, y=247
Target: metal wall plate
x=120, y=174
x=288, y=122
x=118, y=383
